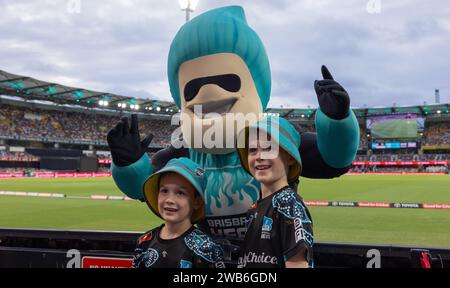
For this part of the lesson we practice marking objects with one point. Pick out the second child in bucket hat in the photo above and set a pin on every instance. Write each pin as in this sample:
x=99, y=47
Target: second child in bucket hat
x=279, y=232
x=174, y=194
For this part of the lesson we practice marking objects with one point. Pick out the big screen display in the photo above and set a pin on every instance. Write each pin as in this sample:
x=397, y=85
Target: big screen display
x=396, y=126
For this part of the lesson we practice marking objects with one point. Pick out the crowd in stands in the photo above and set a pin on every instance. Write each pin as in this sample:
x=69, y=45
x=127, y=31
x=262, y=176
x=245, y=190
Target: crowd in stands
x=51, y=124
x=436, y=134
x=24, y=170
x=437, y=169
x=402, y=157
x=396, y=169
x=10, y=156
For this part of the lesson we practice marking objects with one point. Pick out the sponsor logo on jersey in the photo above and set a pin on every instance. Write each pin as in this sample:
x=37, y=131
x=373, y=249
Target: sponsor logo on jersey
x=185, y=264
x=266, y=227
x=267, y=224
x=229, y=227
x=298, y=228
x=252, y=257
x=150, y=257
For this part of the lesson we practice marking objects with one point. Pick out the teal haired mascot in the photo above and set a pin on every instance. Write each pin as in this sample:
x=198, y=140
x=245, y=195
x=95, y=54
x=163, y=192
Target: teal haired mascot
x=218, y=65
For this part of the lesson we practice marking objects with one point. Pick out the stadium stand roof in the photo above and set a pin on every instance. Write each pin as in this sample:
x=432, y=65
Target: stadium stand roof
x=28, y=88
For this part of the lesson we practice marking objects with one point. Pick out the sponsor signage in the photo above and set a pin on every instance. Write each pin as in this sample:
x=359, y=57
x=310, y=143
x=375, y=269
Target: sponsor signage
x=378, y=205
x=398, y=163
x=393, y=145
x=71, y=174
x=106, y=262
x=11, y=175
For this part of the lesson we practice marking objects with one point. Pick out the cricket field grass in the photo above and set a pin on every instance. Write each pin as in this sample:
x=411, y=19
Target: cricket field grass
x=388, y=226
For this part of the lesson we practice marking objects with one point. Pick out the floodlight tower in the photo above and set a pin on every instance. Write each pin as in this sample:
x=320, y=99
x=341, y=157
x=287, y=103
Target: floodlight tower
x=188, y=6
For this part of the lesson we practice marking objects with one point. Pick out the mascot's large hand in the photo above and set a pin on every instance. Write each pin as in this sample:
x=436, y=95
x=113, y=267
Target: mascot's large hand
x=124, y=142
x=333, y=99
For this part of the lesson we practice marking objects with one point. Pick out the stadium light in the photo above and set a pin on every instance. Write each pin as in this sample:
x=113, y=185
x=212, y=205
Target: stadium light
x=438, y=111
x=188, y=6
x=103, y=103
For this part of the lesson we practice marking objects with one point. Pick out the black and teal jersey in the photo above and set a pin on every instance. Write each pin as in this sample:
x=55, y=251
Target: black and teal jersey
x=279, y=227
x=193, y=249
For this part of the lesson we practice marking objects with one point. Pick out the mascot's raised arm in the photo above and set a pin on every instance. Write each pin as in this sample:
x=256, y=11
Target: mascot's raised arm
x=218, y=66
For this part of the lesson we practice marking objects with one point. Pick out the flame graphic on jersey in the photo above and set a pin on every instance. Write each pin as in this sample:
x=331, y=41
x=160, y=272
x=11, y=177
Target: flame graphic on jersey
x=226, y=197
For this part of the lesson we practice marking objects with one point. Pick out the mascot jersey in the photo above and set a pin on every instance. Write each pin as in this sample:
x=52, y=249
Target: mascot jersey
x=216, y=61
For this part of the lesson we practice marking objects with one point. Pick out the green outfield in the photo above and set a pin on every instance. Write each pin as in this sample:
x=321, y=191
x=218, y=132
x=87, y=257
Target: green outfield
x=418, y=227
x=395, y=129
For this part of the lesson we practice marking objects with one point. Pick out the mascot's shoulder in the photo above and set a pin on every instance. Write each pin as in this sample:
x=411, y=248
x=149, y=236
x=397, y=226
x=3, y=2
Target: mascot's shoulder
x=203, y=246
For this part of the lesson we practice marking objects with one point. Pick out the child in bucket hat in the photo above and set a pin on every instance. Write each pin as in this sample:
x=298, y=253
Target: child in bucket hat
x=174, y=194
x=279, y=232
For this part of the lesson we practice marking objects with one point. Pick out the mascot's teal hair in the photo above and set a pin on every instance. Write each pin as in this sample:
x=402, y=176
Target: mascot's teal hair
x=222, y=30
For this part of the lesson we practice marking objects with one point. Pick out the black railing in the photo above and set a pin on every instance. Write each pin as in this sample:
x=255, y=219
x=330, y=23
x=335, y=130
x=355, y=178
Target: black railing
x=59, y=248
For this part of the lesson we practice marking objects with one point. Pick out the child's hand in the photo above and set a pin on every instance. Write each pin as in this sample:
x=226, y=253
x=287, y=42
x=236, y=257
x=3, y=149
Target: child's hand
x=333, y=99
x=124, y=142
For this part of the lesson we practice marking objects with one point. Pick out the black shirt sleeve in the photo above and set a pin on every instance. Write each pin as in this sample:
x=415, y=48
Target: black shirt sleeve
x=141, y=246
x=295, y=227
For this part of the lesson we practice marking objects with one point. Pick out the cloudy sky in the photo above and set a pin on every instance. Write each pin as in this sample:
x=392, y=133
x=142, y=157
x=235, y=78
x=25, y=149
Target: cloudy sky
x=390, y=51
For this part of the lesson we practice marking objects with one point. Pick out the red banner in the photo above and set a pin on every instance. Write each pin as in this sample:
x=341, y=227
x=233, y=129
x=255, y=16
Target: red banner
x=71, y=174
x=396, y=173
x=399, y=163
x=44, y=174
x=374, y=204
x=11, y=175
x=436, y=206
x=106, y=262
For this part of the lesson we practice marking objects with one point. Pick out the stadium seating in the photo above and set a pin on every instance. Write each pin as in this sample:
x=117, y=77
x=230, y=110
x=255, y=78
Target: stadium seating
x=436, y=134
x=49, y=124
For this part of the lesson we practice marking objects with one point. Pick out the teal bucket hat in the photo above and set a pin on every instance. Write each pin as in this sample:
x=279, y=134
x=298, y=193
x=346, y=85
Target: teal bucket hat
x=188, y=169
x=283, y=133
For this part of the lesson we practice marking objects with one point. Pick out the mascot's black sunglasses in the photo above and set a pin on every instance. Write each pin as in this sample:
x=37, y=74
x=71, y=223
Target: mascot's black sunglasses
x=229, y=82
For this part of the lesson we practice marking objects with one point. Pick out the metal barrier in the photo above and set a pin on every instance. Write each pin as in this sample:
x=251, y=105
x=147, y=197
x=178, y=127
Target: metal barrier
x=86, y=249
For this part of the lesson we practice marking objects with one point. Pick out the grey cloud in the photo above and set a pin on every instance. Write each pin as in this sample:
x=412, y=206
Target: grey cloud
x=399, y=56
